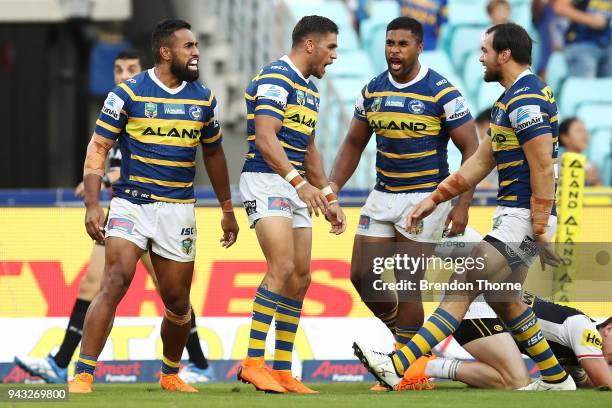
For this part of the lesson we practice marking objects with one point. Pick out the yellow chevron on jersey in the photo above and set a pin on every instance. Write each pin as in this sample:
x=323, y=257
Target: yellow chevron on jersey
x=503, y=138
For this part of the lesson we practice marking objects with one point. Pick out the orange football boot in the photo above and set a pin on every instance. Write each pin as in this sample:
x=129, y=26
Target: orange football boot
x=81, y=384
x=172, y=382
x=290, y=383
x=415, y=378
x=254, y=371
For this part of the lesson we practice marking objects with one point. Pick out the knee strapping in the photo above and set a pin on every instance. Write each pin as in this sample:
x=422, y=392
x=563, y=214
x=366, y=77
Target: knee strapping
x=179, y=320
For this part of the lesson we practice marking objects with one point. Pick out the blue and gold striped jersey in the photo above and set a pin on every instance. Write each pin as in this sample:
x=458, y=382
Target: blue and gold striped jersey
x=526, y=110
x=158, y=130
x=412, y=123
x=281, y=91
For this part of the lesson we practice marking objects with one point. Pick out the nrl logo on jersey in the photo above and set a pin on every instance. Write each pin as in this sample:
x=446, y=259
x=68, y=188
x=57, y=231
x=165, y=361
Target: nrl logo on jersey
x=150, y=110
x=301, y=98
x=187, y=246
x=376, y=104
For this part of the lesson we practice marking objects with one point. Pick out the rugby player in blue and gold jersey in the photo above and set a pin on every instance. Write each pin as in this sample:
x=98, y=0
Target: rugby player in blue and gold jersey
x=282, y=182
x=159, y=118
x=413, y=111
x=523, y=145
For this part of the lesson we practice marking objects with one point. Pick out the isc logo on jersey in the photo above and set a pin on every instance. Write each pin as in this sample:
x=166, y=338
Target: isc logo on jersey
x=591, y=338
x=456, y=109
x=525, y=116
x=113, y=105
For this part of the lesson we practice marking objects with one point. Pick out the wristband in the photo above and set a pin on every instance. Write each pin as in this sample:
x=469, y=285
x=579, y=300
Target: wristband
x=294, y=178
x=540, y=212
x=226, y=206
x=300, y=184
x=330, y=196
x=333, y=202
x=450, y=187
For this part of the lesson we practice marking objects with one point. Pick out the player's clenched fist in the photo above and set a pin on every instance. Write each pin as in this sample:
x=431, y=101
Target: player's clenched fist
x=94, y=222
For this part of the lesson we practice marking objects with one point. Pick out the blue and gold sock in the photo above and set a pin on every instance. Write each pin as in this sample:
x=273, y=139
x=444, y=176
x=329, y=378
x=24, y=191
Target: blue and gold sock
x=527, y=332
x=264, y=307
x=403, y=334
x=439, y=326
x=169, y=366
x=287, y=318
x=85, y=364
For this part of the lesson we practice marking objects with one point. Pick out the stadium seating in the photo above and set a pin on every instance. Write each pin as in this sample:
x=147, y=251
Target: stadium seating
x=600, y=153
x=352, y=64
x=488, y=94
x=556, y=71
x=472, y=74
x=596, y=116
x=465, y=40
x=578, y=91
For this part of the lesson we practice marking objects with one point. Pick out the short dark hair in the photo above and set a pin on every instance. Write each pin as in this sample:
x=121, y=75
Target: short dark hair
x=163, y=32
x=513, y=37
x=409, y=24
x=484, y=116
x=604, y=323
x=312, y=25
x=564, y=128
x=130, y=53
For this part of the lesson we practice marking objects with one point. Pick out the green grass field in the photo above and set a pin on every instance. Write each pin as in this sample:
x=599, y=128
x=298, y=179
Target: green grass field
x=332, y=395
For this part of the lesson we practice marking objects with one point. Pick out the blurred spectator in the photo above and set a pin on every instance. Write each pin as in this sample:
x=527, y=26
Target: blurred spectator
x=588, y=49
x=360, y=10
x=574, y=138
x=499, y=11
x=551, y=31
x=483, y=121
x=109, y=44
x=431, y=13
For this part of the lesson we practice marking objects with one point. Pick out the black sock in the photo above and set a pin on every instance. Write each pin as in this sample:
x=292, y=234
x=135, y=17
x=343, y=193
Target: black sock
x=194, y=349
x=74, y=332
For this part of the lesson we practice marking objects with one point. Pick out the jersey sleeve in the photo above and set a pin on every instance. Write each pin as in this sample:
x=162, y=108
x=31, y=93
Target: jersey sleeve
x=211, y=131
x=528, y=116
x=360, y=113
x=114, y=113
x=584, y=337
x=273, y=90
x=454, y=109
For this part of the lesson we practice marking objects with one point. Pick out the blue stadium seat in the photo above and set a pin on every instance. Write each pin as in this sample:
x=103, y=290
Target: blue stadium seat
x=577, y=91
x=439, y=62
x=488, y=93
x=596, y=116
x=376, y=48
x=454, y=157
x=467, y=12
x=351, y=64
x=556, y=71
x=473, y=74
x=381, y=13
x=600, y=153
x=465, y=40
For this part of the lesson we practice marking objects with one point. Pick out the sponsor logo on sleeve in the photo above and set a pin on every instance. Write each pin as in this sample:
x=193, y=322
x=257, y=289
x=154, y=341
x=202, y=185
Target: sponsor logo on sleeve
x=591, y=338
x=272, y=92
x=456, y=109
x=113, y=105
x=278, y=67
x=525, y=117
x=441, y=82
x=359, y=108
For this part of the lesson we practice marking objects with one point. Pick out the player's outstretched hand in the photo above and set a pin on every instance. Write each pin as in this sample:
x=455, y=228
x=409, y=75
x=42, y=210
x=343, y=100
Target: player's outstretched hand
x=418, y=212
x=314, y=199
x=94, y=222
x=336, y=218
x=459, y=217
x=230, y=228
x=547, y=252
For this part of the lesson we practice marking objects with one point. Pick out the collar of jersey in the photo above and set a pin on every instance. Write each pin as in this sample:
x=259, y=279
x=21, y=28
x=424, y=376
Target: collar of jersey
x=522, y=74
x=171, y=91
x=293, y=67
x=422, y=72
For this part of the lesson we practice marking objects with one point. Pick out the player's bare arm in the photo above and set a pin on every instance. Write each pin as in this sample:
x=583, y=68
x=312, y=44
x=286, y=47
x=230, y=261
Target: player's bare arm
x=564, y=8
x=538, y=152
x=266, y=129
x=315, y=174
x=598, y=372
x=466, y=140
x=95, y=161
x=348, y=156
x=216, y=168
x=472, y=171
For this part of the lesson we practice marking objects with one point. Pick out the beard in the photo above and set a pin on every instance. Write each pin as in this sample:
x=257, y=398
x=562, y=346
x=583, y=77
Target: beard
x=492, y=76
x=183, y=73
